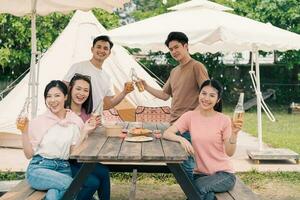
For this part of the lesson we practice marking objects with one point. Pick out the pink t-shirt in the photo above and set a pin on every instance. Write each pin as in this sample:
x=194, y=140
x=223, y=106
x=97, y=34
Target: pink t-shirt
x=208, y=135
x=84, y=116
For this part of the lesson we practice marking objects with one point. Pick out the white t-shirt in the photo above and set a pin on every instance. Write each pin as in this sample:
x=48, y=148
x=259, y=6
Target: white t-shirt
x=56, y=143
x=101, y=82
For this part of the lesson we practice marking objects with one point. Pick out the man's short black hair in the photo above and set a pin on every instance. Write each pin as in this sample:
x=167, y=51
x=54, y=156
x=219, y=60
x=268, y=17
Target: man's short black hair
x=177, y=36
x=103, y=38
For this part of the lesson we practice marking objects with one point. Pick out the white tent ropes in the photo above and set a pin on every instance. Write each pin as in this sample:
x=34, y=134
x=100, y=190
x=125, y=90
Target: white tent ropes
x=44, y=7
x=73, y=45
x=210, y=30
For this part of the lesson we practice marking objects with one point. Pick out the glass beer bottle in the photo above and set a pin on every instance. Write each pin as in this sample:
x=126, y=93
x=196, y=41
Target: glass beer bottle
x=99, y=112
x=239, y=109
x=22, y=120
x=135, y=79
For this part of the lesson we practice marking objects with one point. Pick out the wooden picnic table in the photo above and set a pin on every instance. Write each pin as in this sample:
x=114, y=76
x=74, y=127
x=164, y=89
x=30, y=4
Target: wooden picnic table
x=154, y=156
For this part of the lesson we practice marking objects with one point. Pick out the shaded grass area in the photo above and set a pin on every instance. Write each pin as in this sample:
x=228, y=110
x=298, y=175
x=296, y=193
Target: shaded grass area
x=268, y=185
x=149, y=178
x=10, y=176
x=144, y=178
x=260, y=178
x=273, y=185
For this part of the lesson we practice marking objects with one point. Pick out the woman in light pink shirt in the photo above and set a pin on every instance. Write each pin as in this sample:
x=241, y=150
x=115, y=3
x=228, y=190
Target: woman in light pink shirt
x=48, y=141
x=80, y=101
x=213, y=141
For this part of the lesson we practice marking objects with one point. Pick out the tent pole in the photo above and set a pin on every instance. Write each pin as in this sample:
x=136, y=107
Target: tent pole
x=32, y=82
x=258, y=98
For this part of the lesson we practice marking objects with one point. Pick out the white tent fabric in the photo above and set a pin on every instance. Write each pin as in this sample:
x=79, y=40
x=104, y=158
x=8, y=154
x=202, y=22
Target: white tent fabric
x=73, y=45
x=45, y=7
x=200, y=3
x=208, y=30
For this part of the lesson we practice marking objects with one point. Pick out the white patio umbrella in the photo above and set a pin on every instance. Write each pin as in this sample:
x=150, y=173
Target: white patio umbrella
x=210, y=30
x=200, y=3
x=44, y=7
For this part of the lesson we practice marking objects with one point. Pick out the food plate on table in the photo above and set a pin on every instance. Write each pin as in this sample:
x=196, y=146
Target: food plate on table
x=140, y=132
x=139, y=139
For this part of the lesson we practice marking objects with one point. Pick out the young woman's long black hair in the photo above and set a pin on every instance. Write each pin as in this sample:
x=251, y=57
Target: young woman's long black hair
x=88, y=104
x=217, y=85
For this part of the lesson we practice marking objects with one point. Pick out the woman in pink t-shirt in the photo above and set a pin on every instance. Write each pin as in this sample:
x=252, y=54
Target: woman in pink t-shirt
x=213, y=141
x=80, y=101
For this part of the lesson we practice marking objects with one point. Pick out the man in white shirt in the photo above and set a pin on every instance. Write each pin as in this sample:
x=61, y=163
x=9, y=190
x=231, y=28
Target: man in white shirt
x=102, y=91
x=102, y=87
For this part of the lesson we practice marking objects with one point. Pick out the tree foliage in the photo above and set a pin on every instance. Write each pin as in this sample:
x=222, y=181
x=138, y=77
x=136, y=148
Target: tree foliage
x=15, y=37
x=146, y=8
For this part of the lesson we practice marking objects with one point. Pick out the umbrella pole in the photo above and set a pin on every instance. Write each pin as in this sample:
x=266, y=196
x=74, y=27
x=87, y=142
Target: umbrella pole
x=32, y=82
x=268, y=153
x=258, y=99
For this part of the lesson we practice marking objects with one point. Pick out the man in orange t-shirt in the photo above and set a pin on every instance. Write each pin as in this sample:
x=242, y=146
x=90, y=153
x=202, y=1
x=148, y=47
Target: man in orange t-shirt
x=182, y=85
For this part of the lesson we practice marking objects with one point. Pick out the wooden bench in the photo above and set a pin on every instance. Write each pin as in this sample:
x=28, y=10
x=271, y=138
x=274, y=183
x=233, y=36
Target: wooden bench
x=239, y=192
x=23, y=191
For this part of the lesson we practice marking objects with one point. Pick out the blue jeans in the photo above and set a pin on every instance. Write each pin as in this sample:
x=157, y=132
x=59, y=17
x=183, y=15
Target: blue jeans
x=189, y=164
x=98, y=181
x=53, y=175
x=207, y=185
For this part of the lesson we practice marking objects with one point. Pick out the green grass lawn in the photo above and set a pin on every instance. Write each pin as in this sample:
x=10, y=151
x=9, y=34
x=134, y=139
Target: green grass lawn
x=283, y=133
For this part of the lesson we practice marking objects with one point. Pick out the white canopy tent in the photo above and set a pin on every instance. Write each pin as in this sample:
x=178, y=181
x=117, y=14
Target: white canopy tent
x=71, y=46
x=44, y=7
x=210, y=30
x=200, y=3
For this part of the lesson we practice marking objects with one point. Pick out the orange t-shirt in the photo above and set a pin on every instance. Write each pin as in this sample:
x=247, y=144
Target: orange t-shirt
x=183, y=85
x=208, y=135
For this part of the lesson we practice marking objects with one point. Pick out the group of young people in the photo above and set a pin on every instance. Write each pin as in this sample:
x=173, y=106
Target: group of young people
x=208, y=136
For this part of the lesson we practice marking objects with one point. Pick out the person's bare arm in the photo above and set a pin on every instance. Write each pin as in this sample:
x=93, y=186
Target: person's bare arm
x=22, y=124
x=89, y=126
x=170, y=134
x=155, y=92
x=230, y=143
x=112, y=101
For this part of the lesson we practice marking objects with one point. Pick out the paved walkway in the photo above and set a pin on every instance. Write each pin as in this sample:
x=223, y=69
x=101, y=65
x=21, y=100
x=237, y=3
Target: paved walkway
x=14, y=159
x=242, y=163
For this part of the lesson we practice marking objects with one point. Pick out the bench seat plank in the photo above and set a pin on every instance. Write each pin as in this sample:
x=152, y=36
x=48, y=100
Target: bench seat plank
x=242, y=192
x=37, y=195
x=224, y=196
x=23, y=191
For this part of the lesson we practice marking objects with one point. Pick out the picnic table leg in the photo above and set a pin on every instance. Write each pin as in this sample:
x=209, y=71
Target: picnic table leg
x=185, y=183
x=79, y=179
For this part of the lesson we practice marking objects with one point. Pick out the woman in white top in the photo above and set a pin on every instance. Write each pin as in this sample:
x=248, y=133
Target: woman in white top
x=49, y=139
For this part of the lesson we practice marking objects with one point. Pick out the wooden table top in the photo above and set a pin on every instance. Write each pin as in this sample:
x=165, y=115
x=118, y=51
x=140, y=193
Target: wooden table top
x=99, y=148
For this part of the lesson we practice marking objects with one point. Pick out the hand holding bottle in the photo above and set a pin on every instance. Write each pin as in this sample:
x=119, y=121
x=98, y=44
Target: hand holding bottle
x=139, y=83
x=22, y=124
x=97, y=114
x=238, y=115
x=128, y=87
